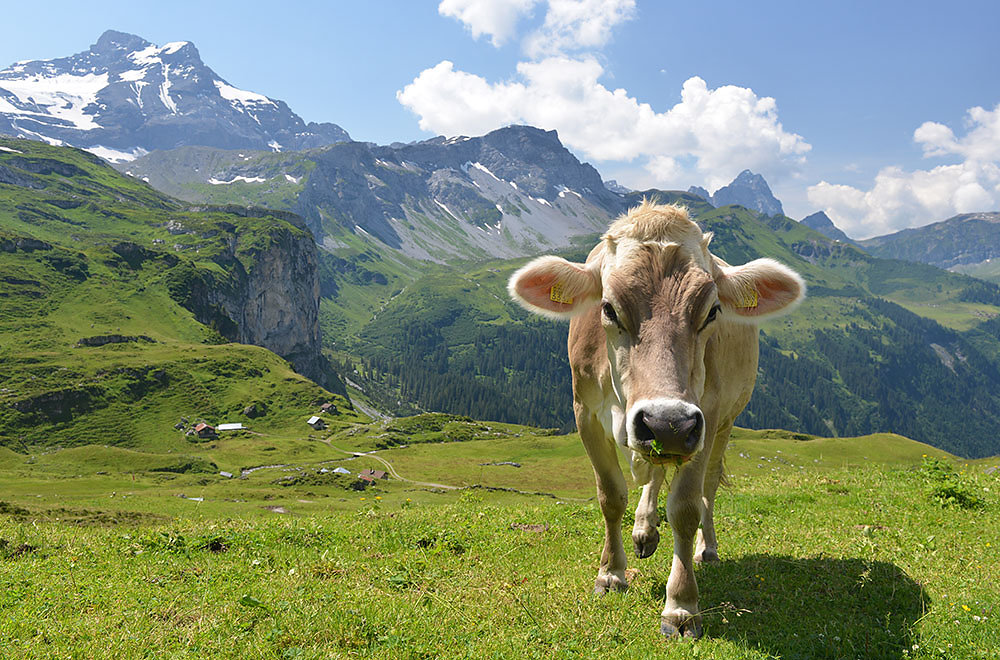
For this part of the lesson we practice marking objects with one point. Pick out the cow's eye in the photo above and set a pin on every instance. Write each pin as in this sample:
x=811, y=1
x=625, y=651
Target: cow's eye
x=610, y=314
x=712, y=313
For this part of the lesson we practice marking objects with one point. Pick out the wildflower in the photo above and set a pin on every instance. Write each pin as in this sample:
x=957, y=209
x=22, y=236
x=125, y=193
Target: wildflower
x=965, y=607
x=362, y=499
x=378, y=497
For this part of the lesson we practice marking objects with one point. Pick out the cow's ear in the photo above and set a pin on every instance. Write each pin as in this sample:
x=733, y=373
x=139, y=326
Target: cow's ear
x=759, y=290
x=554, y=287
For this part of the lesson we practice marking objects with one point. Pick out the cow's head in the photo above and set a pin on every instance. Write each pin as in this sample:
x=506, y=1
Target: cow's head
x=663, y=297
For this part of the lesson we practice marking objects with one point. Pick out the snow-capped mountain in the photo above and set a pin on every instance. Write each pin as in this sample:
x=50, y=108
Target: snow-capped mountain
x=126, y=96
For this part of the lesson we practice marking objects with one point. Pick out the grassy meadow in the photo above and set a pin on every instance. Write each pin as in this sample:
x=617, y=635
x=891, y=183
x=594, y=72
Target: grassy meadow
x=874, y=547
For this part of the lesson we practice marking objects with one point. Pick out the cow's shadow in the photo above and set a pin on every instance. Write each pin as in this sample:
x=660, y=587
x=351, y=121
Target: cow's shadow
x=810, y=608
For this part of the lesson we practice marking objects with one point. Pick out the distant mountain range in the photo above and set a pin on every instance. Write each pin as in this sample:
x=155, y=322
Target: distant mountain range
x=125, y=97
x=967, y=243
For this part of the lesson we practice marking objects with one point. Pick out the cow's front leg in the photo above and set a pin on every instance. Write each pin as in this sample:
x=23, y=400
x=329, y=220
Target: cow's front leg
x=645, y=535
x=613, y=497
x=681, y=616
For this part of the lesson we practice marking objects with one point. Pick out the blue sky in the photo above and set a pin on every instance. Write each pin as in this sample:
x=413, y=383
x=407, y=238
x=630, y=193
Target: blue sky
x=885, y=114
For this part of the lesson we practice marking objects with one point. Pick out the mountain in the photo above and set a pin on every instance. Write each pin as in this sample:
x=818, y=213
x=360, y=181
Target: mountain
x=119, y=304
x=821, y=222
x=125, y=97
x=511, y=192
x=747, y=189
x=968, y=243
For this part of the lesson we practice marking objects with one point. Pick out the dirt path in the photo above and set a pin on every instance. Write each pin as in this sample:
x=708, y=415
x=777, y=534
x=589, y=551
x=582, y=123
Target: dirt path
x=391, y=470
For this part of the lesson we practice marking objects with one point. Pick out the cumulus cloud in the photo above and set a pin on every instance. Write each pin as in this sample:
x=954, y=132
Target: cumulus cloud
x=494, y=18
x=899, y=199
x=709, y=136
x=577, y=24
x=569, y=25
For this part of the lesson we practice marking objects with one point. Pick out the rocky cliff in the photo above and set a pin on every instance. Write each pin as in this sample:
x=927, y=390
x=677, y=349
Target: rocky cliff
x=269, y=294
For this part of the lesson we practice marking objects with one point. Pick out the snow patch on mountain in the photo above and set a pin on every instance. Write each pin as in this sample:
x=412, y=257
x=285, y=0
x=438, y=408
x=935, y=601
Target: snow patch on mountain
x=64, y=96
x=234, y=95
x=116, y=155
x=244, y=179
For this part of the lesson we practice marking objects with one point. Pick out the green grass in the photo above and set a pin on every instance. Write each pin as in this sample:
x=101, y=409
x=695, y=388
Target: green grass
x=831, y=549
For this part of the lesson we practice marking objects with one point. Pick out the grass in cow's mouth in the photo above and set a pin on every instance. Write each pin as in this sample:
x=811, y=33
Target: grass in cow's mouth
x=825, y=554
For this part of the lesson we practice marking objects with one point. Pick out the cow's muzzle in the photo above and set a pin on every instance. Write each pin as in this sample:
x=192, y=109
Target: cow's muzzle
x=666, y=430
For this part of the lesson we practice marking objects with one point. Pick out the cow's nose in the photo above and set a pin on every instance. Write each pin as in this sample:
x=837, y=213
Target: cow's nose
x=669, y=433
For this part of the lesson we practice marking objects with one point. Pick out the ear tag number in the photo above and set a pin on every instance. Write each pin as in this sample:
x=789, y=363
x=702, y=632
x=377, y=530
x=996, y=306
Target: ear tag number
x=556, y=294
x=750, y=298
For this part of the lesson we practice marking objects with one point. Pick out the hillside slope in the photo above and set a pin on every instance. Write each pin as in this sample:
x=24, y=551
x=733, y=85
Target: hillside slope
x=118, y=305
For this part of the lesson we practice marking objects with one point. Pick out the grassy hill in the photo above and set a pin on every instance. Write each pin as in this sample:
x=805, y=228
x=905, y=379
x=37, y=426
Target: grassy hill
x=874, y=547
x=112, y=319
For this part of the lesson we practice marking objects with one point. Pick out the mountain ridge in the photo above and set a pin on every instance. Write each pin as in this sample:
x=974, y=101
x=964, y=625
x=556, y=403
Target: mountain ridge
x=507, y=193
x=968, y=243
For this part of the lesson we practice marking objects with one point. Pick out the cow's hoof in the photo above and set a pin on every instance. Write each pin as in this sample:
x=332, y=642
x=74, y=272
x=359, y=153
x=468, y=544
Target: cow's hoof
x=609, y=582
x=645, y=542
x=680, y=624
x=707, y=556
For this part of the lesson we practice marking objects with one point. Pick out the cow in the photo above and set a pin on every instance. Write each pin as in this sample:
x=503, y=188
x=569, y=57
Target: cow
x=663, y=351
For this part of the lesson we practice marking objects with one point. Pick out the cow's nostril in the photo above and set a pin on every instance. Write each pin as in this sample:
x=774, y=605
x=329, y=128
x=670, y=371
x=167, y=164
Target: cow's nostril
x=694, y=436
x=643, y=433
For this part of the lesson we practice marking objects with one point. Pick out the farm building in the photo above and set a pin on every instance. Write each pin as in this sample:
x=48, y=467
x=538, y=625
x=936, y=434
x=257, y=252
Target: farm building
x=316, y=423
x=373, y=475
x=235, y=426
x=328, y=408
x=204, y=430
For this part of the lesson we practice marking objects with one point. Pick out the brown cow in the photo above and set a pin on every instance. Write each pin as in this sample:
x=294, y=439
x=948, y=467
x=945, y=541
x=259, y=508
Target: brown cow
x=663, y=365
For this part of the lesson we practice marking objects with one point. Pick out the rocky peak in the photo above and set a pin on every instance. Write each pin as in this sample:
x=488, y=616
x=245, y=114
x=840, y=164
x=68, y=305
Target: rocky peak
x=749, y=190
x=113, y=40
x=821, y=222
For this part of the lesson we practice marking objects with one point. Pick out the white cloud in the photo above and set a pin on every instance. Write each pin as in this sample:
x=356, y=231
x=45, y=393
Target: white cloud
x=496, y=18
x=569, y=25
x=899, y=199
x=709, y=136
x=577, y=24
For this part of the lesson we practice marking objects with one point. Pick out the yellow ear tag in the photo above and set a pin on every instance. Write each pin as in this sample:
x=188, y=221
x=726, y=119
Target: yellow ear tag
x=749, y=300
x=556, y=294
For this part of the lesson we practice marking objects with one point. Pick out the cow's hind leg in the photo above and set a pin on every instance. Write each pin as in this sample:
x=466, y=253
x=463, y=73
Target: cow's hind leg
x=707, y=545
x=613, y=497
x=645, y=535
